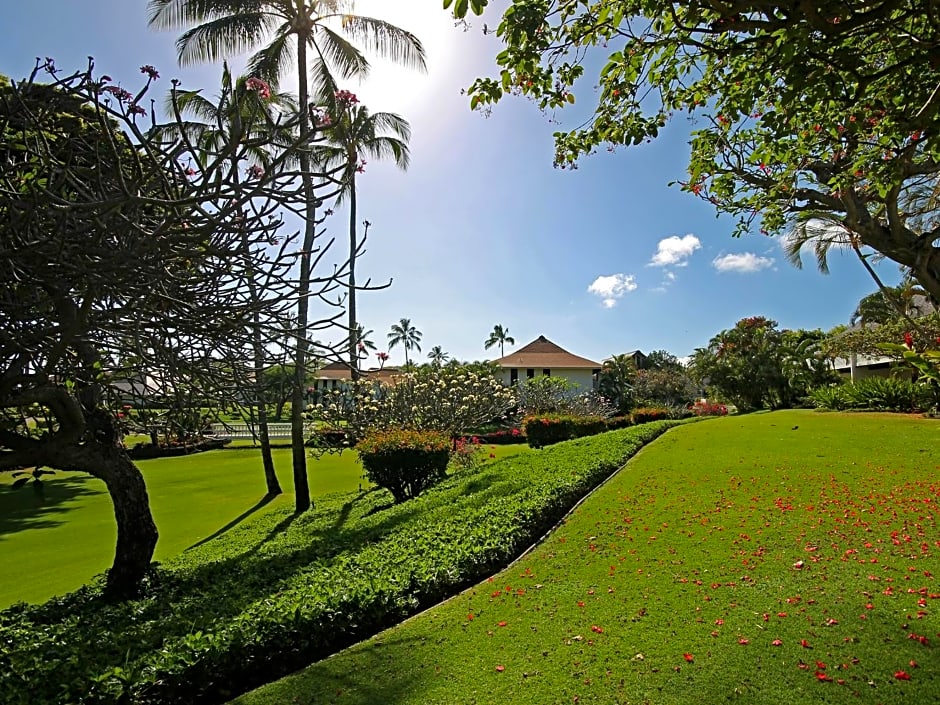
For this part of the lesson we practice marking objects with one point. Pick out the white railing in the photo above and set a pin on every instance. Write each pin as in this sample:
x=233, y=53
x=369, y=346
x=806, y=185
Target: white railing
x=245, y=431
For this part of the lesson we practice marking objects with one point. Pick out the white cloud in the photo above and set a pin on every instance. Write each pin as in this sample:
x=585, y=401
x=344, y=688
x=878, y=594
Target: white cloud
x=611, y=287
x=675, y=251
x=743, y=262
x=670, y=276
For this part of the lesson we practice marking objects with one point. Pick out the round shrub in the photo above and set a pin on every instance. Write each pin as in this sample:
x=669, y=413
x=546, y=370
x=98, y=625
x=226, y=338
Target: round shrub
x=404, y=461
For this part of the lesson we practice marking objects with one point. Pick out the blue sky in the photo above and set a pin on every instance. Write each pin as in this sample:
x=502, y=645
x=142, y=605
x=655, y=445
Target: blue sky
x=481, y=229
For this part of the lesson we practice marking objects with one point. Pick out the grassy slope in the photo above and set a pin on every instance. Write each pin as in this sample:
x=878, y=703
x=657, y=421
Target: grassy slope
x=54, y=545
x=672, y=583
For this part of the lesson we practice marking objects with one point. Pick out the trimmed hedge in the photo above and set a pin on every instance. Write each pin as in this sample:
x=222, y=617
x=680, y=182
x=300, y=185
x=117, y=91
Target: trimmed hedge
x=615, y=422
x=282, y=591
x=547, y=429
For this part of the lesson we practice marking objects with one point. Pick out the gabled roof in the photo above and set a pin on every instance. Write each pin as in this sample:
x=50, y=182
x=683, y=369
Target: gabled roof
x=341, y=371
x=543, y=353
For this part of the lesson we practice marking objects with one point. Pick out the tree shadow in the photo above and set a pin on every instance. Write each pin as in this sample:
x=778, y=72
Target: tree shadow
x=263, y=502
x=25, y=508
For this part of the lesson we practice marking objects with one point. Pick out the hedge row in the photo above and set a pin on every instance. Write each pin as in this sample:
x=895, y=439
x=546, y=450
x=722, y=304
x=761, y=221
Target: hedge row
x=553, y=428
x=280, y=592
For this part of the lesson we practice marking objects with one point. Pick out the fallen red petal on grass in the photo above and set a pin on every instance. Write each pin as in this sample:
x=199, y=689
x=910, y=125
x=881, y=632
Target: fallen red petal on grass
x=688, y=657
x=743, y=641
x=902, y=675
x=824, y=677
x=805, y=644
x=777, y=642
x=501, y=624
x=596, y=629
x=470, y=616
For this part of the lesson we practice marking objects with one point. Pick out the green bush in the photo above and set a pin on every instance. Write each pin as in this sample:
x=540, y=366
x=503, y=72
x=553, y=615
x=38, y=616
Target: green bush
x=281, y=591
x=547, y=429
x=831, y=397
x=885, y=394
x=646, y=414
x=404, y=461
x=874, y=394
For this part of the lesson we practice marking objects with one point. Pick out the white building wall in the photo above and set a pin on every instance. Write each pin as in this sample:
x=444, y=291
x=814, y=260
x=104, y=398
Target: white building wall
x=584, y=378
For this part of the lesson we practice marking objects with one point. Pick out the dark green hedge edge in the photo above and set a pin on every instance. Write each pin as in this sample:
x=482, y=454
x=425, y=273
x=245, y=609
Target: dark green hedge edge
x=281, y=592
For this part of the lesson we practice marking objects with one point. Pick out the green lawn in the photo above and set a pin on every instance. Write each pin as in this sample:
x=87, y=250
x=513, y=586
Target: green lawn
x=55, y=544
x=790, y=557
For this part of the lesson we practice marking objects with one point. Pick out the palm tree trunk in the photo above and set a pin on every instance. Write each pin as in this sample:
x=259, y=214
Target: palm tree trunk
x=298, y=451
x=353, y=328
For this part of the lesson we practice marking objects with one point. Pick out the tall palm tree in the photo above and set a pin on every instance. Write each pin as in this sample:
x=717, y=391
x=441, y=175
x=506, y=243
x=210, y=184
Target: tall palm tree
x=214, y=29
x=500, y=336
x=406, y=335
x=437, y=356
x=241, y=115
x=352, y=134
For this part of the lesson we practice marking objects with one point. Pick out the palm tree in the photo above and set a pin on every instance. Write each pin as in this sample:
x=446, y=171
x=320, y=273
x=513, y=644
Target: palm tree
x=246, y=116
x=406, y=335
x=500, y=336
x=214, y=29
x=362, y=340
x=437, y=356
x=351, y=135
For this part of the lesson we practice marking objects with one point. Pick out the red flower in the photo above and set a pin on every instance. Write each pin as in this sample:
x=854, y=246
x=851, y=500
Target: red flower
x=596, y=629
x=776, y=642
x=500, y=668
x=908, y=339
x=902, y=675
x=688, y=657
x=744, y=641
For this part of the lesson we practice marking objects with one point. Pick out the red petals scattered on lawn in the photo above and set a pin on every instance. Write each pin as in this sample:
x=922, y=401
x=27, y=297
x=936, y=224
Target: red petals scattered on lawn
x=596, y=629
x=902, y=675
x=823, y=676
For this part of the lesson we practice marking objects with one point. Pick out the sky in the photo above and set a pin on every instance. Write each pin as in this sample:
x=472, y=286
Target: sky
x=481, y=229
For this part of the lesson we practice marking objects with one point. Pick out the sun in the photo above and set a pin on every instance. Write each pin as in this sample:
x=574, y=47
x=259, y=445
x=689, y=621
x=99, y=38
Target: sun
x=392, y=88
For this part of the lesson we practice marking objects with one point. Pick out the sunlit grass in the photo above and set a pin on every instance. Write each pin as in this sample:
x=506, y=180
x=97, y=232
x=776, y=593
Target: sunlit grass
x=788, y=557
x=55, y=543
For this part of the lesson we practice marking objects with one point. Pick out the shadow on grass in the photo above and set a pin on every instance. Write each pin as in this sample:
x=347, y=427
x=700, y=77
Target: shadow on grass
x=330, y=678
x=263, y=502
x=25, y=508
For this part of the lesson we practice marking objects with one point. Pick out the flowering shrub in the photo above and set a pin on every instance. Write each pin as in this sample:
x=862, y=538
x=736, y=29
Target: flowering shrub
x=707, y=408
x=451, y=401
x=649, y=413
x=553, y=428
x=502, y=437
x=404, y=461
x=465, y=453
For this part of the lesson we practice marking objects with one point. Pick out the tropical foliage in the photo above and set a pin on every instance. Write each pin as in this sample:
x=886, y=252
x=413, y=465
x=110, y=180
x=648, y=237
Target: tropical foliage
x=811, y=113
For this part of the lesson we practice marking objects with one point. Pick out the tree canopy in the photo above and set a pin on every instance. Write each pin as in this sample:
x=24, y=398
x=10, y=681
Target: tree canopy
x=817, y=112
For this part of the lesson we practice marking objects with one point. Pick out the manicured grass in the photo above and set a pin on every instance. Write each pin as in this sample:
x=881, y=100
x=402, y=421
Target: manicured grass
x=53, y=544
x=675, y=582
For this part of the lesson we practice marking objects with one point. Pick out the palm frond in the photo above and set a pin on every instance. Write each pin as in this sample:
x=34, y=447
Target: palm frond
x=175, y=14
x=385, y=40
x=340, y=55
x=219, y=38
x=273, y=60
x=388, y=147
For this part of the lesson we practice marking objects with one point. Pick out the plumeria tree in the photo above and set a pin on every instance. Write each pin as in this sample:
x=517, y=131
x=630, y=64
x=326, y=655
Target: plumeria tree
x=803, y=113
x=122, y=261
x=450, y=400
